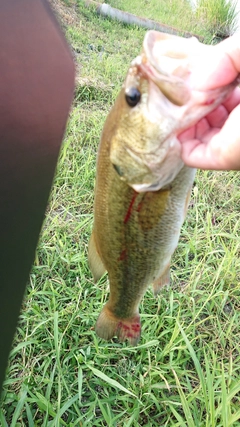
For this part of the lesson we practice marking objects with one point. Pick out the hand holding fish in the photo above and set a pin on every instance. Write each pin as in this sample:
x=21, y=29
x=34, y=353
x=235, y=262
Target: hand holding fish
x=214, y=142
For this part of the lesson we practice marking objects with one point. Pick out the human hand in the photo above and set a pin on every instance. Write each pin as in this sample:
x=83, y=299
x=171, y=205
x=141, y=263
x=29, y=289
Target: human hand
x=214, y=142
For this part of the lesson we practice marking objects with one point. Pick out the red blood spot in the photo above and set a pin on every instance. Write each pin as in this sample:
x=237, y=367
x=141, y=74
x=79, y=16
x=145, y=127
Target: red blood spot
x=123, y=326
x=129, y=211
x=140, y=206
x=123, y=255
x=136, y=327
x=129, y=335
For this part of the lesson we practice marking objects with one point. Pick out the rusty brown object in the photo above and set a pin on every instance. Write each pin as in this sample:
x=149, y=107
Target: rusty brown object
x=36, y=86
x=131, y=19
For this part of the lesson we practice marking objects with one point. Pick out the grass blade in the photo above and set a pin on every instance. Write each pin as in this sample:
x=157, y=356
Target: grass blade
x=80, y=378
x=67, y=405
x=181, y=421
x=185, y=404
x=29, y=415
x=196, y=363
x=225, y=404
x=18, y=408
x=110, y=381
x=3, y=419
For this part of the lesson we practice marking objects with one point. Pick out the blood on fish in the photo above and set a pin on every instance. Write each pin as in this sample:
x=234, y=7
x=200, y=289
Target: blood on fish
x=136, y=327
x=129, y=211
x=120, y=325
x=129, y=335
x=123, y=255
x=140, y=204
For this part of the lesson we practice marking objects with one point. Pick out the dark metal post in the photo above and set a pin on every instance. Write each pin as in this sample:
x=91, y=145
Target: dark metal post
x=36, y=88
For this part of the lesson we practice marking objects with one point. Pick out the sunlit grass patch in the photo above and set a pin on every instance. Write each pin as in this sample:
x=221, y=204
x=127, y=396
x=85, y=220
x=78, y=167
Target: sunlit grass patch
x=219, y=17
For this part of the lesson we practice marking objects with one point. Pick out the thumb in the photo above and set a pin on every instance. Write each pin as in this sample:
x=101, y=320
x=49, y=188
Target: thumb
x=221, y=65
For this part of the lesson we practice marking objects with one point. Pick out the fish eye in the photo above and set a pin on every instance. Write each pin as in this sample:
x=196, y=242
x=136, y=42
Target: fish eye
x=133, y=96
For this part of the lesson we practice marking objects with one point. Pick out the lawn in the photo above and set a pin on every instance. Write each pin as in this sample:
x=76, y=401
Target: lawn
x=186, y=369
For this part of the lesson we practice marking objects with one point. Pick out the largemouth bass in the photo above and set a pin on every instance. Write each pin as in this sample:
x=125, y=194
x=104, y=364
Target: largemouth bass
x=142, y=187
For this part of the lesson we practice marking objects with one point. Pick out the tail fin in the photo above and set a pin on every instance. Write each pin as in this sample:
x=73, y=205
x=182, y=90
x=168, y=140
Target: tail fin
x=108, y=326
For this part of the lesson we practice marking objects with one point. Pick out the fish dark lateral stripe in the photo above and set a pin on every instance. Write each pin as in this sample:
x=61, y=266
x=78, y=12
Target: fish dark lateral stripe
x=129, y=211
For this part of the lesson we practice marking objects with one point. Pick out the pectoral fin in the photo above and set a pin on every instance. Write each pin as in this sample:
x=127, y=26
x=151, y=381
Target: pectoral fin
x=95, y=263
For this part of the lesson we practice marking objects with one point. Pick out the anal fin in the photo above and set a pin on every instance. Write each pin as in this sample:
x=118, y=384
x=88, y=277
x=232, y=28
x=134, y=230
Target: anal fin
x=161, y=281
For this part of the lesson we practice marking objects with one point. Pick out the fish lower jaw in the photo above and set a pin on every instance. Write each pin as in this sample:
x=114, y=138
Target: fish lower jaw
x=143, y=188
x=126, y=329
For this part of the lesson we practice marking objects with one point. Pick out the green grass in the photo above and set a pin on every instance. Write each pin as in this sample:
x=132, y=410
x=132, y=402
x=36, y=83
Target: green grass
x=167, y=12
x=185, y=371
x=175, y=13
x=218, y=17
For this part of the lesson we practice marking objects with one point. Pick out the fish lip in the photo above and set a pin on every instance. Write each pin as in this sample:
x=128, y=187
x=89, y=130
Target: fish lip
x=185, y=49
x=142, y=188
x=165, y=82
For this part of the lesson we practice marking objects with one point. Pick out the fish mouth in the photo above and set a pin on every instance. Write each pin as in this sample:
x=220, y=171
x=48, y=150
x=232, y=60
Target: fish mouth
x=169, y=73
x=169, y=61
x=144, y=188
